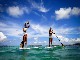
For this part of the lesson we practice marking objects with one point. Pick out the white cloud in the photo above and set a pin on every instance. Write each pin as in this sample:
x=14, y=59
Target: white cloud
x=63, y=30
x=75, y=11
x=66, y=40
x=66, y=12
x=73, y=41
x=17, y=11
x=38, y=28
x=39, y=6
x=63, y=39
x=43, y=9
x=26, y=10
x=11, y=29
x=38, y=31
x=2, y=37
x=63, y=13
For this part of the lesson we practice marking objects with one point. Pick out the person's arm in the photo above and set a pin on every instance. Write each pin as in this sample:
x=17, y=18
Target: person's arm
x=52, y=32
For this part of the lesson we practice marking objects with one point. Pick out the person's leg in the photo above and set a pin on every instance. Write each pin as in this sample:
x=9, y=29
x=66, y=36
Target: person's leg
x=26, y=42
x=22, y=45
x=49, y=42
x=25, y=38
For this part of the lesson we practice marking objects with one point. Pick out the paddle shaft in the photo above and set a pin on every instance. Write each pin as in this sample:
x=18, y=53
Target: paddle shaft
x=58, y=39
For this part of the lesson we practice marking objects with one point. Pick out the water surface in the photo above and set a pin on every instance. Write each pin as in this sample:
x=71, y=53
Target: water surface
x=41, y=53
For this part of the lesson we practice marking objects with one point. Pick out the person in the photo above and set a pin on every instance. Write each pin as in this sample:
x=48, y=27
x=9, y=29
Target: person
x=26, y=26
x=50, y=36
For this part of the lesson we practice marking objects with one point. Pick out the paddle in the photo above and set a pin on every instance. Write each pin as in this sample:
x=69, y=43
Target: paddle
x=58, y=39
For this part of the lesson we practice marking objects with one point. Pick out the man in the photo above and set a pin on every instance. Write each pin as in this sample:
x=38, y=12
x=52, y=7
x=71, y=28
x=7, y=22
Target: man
x=50, y=36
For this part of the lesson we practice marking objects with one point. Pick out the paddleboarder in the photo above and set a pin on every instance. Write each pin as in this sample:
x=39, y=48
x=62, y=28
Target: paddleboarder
x=50, y=36
x=24, y=42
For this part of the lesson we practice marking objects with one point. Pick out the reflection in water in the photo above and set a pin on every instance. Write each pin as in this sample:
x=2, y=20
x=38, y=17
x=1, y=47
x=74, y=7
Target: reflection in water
x=23, y=54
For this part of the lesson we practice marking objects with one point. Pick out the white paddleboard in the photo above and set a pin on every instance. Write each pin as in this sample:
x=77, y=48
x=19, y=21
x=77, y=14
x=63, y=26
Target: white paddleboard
x=35, y=47
x=55, y=46
x=24, y=48
x=48, y=47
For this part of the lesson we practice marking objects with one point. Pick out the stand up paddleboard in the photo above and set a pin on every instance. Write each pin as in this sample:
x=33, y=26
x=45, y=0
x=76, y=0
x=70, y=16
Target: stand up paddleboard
x=55, y=46
x=24, y=48
x=48, y=47
x=35, y=47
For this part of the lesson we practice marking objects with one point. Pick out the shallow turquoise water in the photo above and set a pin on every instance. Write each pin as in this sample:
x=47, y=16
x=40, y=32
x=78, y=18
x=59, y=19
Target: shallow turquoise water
x=41, y=53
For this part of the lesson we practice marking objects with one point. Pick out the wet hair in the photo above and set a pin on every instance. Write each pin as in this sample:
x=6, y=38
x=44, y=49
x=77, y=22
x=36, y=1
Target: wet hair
x=50, y=28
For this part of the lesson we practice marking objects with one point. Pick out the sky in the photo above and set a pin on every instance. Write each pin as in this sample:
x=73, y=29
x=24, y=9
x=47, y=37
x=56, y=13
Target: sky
x=62, y=15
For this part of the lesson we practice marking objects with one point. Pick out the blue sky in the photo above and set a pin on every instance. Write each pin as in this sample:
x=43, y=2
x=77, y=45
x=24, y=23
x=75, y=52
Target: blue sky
x=62, y=15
